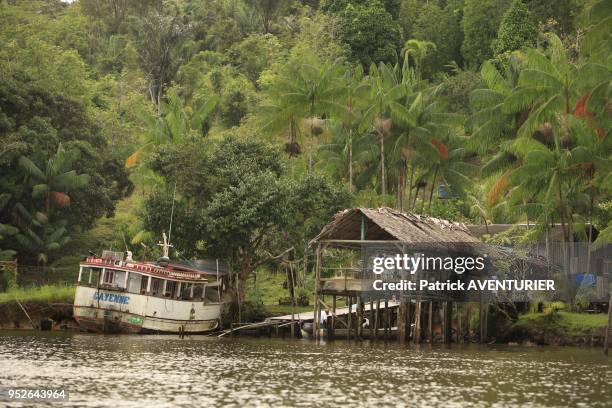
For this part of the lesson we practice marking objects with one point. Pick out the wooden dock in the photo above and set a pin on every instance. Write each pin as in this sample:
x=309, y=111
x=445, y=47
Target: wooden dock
x=340, y=312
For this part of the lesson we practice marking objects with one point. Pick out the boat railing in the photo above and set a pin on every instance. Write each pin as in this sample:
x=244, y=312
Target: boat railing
x=145, y=268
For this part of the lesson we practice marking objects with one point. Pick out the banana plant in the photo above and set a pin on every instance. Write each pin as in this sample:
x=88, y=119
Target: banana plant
x=55, y=180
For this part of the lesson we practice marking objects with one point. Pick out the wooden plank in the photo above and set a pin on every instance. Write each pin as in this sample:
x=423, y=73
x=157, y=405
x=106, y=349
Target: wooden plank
x=376, y=318
x=371, y=325
x=387, y=319
x=430, y=325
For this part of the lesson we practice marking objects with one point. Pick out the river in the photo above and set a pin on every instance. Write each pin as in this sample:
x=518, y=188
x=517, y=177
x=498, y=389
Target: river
x=152, y=371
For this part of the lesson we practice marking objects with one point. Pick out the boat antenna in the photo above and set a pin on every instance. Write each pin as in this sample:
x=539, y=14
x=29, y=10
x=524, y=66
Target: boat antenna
x=172, y=214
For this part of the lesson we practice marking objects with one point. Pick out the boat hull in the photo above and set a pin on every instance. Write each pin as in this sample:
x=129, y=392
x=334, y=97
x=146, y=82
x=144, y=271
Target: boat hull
x=104, y=311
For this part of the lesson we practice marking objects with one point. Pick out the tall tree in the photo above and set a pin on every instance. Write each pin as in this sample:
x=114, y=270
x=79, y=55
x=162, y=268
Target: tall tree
x=517, y=30
x=53, y=181
x=480, y=24
x=159, y=40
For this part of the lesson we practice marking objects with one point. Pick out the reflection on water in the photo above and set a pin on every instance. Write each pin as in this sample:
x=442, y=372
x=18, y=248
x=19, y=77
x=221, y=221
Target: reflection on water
x=204, y=371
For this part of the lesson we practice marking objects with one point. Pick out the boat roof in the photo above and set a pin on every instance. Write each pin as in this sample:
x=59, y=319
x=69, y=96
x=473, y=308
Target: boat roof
x=203, y=266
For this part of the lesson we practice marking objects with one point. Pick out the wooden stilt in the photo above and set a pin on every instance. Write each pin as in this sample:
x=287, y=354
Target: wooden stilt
x=332, y=329
x=458, y=322
x=349, y=317
x=468, y=318
x=430, y=323
x=359, y=323
x=387, y=319
x=408, y=320
x=486, y=323
x=449, y=322
x=377, y=318
x=371, y=325
x=317, y=311
x=401, y=321
x=417, y=323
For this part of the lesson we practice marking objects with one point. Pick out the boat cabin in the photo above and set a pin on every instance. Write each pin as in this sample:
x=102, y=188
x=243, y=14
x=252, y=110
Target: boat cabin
x=113, y=271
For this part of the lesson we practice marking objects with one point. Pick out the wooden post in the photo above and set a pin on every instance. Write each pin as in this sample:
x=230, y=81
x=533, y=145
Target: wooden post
x=480, y=322
x=362, y=309
x=387, y=319
x=417, y=323
x=468, y=319
x=486, y=322
x=401, y=321
x=371, y=319
x=445, y=329
x=458, y=312
x=459, y=324
x=609, y=326
x=349, y=317
x=408, y=320
x=359, y=318
x=333, y=321
x=448, y=324
x=377, y=318
x=430, y=325
x=317, y=311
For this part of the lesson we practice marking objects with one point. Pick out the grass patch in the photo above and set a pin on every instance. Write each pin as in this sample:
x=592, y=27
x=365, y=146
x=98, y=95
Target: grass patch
x=571, y=323
x=46, y=293
x=562, y=328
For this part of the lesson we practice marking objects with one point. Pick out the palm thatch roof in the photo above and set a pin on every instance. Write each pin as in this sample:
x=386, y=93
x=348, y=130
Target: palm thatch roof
x=387, y=224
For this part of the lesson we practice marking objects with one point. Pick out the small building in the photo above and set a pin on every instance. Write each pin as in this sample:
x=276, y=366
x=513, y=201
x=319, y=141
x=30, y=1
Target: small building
x=369, y=230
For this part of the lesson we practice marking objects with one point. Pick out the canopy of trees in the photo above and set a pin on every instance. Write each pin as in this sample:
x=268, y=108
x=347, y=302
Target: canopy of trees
x=266, y=117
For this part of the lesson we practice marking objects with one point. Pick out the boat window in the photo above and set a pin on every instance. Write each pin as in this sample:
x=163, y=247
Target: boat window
x=144, y=281
x=198, y=291
x=135, y=282
x=119, y=280
x=171, y=287
x=109, y=277
x=186, y=291
x=211, y=294
x=156, y=286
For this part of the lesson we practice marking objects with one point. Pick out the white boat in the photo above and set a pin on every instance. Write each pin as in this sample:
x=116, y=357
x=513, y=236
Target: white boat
x=117, y=294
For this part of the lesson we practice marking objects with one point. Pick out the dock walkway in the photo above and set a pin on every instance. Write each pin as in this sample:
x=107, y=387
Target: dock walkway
x=342, y=311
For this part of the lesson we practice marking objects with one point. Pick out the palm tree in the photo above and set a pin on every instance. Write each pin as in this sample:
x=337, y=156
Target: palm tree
x=342, y=153
x=56, y=179
x=6, y=230
x=416, y=51
x=352, y=102
x=385, y=91
x=550, y=86
x=176, y=123
x=303, y=91
x=40, y=237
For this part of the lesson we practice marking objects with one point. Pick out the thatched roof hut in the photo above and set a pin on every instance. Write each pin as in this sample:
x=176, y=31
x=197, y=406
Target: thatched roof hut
x=386, y=224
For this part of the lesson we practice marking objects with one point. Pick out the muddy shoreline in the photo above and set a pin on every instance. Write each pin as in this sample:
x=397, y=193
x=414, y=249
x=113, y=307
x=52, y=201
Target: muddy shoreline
x=58, y=317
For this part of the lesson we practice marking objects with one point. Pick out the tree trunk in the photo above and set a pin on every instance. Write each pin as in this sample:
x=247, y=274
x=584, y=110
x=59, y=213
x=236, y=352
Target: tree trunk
x=382, y=164
x=410, y=187
x=351, y=160
x=433, y=185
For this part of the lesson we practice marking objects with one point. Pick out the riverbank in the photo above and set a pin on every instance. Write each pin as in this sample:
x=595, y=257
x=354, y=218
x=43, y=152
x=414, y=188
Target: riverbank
x=25, y=308
x=55, y=302
x=560, y=329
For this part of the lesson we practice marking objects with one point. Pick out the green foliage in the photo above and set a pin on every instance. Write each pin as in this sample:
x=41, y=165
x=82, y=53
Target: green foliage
x=445, y=33
x=254, y=54
x=456, y=89
x=192, y=86
x=480, y=24
x=369, y=43
x=244, y=208
x=46, y=293
x=159, y=41
x=517, y=30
